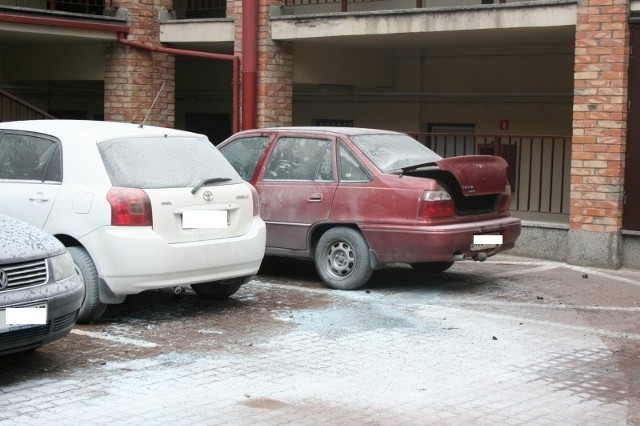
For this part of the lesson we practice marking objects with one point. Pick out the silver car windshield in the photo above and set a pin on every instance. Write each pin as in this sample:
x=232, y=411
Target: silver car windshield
x=172, y=162
x=392, y=152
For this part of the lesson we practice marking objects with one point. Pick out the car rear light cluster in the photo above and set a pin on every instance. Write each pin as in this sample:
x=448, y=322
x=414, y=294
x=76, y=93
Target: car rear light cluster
x=129, y=207
x=436, y=204
x=256, y=200
x=505, y=201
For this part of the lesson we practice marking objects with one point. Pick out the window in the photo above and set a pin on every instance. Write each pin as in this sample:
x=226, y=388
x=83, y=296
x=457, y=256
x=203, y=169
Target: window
x=29, y=157
x=325, y=171
x=350, y=168
x=169, y=162
x=392, y=151
x=244, y=154
x=300, y=159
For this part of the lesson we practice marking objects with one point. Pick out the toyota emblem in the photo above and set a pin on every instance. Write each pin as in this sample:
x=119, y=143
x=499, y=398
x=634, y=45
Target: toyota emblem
x=207, y=195
x=4, y=280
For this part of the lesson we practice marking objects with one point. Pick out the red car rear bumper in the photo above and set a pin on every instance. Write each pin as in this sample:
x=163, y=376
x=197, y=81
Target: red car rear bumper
x=415, y=244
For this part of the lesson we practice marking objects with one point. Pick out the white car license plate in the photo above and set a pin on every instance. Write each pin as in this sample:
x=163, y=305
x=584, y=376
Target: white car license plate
x=205, y=219
x=23, y=317
x=486, y=242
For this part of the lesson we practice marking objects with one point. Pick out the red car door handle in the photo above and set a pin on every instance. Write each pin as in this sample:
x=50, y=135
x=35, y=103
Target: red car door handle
x=314, y=198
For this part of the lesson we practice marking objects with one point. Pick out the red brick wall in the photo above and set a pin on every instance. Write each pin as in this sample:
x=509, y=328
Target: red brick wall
x=599, y=115
x=133, y=77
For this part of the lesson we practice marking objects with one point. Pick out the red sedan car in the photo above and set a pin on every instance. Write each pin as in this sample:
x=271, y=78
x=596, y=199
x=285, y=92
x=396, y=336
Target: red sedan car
x=355, y=199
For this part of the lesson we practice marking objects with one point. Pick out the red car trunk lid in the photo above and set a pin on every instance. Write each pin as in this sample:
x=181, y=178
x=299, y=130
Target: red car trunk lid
x=477, y=174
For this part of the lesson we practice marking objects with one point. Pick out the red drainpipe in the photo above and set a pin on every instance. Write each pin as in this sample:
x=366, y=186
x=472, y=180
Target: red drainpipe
x=122, y=39
x=249, y=63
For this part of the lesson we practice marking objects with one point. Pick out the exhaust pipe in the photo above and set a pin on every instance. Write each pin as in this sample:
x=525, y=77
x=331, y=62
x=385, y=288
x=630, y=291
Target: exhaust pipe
x=481, y=257
x=178, y=290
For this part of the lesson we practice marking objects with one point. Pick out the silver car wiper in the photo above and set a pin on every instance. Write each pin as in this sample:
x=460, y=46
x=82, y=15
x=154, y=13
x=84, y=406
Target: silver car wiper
x=208, y=181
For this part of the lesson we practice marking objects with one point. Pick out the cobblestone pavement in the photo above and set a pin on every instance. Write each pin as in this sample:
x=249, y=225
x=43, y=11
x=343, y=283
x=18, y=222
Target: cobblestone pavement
x=510, y=341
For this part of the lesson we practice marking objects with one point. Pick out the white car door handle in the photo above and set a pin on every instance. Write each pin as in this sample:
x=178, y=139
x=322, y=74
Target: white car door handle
x=315, y=198
x=39, y=196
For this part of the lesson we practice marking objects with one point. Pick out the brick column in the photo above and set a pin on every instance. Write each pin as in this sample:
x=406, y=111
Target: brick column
x=599, y=132
x=275, y=69
x=133, y=77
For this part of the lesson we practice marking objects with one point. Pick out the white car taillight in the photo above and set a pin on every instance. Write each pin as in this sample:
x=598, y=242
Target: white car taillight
x=435, y=204
x=129, y=207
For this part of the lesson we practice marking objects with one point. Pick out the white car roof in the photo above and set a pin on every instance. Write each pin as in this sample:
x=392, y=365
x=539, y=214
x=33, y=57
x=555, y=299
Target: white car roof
x=94, y=130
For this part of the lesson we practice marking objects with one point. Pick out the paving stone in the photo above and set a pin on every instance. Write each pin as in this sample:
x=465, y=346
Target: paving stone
x=402, y=354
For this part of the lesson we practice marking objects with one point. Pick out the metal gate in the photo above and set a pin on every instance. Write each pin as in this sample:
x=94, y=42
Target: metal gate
x=631, y=209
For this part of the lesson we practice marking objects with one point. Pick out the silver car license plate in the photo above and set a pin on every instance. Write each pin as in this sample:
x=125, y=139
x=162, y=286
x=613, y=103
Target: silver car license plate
x=205, y=219
x=486, y=242
x=20, y=317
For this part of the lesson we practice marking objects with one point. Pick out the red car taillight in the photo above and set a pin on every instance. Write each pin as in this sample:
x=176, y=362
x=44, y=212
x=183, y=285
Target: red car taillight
x=435, y=204
x=129, y=207
x=256, y=200
x=505, y=201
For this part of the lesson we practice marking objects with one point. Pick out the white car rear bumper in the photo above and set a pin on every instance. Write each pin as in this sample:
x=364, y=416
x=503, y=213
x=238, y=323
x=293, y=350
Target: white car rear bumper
x=131, y=260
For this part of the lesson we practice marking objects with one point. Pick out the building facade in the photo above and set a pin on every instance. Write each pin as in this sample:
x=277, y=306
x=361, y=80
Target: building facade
x=547, y=84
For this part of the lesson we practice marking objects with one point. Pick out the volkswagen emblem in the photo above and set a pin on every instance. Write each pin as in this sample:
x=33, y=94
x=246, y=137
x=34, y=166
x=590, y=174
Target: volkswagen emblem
x=207, y=195
x=4, y=280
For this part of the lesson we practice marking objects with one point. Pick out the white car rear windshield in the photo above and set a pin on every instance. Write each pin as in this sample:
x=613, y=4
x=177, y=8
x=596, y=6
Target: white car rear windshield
x=169, y=162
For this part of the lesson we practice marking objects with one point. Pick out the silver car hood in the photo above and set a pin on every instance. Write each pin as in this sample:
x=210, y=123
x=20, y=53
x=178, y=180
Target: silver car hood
x=20, y=242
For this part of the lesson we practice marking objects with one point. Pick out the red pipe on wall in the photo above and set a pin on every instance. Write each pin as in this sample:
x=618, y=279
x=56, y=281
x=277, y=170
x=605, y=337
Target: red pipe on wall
x=249, y=63
x=122, y=39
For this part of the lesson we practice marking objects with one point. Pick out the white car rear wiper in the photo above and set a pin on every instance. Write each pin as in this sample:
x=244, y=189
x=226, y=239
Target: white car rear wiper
x=208, y=182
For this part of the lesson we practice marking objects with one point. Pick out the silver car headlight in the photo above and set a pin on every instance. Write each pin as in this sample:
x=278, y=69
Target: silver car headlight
x=62, y=266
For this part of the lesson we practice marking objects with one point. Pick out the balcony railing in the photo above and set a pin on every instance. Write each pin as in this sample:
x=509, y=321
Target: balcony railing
x=538, y=165
x=348, y=5
x=13, y=109
x=344, y=4
x=87, y=7
x=198, y=9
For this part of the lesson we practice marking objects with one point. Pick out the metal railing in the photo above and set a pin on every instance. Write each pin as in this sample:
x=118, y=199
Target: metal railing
x=87, y=7
x=193, y=9
x=197, y=9
x=539, y=166
x=344, y=4
x=13, y=109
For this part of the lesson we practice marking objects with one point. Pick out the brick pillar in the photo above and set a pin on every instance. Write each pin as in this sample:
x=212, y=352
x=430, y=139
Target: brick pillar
x=133, y=77
x=599, y=132
x=275, y=69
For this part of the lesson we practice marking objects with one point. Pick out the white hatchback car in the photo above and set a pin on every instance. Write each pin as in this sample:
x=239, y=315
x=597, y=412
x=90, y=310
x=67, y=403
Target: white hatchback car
x=139, y=207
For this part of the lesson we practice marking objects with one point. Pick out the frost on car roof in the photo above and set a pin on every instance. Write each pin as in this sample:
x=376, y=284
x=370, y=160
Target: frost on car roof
x=325, y=129
x=96, y=130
